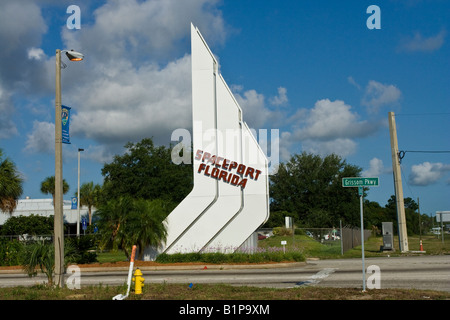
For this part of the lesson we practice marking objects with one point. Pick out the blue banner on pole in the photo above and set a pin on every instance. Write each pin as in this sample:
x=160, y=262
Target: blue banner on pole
x=74, y=203
x=65, y=117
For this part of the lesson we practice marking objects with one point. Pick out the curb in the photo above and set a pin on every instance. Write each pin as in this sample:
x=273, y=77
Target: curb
x=184, y=267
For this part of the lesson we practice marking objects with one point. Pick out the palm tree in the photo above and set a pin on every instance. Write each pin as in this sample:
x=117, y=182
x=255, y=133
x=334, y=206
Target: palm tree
x=112, y=217
x=124, y=222
x=146, y=224
x=89, y=194
x=10, y=185
x=40, y=255
x=48, y=187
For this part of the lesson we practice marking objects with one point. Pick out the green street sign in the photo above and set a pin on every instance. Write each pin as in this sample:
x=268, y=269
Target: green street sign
x=360, y=182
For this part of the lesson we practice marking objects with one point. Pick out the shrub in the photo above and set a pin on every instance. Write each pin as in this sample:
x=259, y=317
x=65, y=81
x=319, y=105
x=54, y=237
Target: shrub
x=282, y=231
x=81, y=249
x=272, y=254
x=11, y=252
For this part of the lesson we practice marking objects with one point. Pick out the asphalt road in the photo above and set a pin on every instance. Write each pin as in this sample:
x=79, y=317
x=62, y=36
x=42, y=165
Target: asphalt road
x=418, y=272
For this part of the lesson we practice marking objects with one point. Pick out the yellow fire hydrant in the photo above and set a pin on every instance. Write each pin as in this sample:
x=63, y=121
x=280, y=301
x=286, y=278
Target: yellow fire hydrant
x=138, y=281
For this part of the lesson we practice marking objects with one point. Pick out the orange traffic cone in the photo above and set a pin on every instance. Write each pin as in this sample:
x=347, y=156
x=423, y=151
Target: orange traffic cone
x=421, y=246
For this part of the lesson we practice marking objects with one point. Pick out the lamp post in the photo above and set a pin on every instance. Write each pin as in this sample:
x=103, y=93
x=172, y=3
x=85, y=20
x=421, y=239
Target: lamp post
x=58, y=205
x=78, y=198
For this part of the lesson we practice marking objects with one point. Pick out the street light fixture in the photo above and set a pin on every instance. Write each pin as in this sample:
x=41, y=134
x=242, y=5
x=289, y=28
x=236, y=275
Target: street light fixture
x=74, y=55
x=58, y=204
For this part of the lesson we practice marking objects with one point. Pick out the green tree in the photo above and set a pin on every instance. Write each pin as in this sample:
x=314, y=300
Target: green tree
x=309, y=185
x=147, y=171
x=146, y=225
x=89, y=196
x=124, y=222
x=32, y=224
x=48, y=187
x=10, y=185
x=111, y=218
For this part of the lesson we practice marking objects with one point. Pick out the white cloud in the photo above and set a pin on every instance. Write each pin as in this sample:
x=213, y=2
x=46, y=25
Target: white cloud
x=419, y=43
x=330, y=120
x=329, y=127
x=135, y=80
x=281, y=99
x=376, y=168
x=42, y=138
x=150, y=30
x=7, y=127
x=427, y=173
x=35, y=53
x=353, y=82
x=378, y=95
x=125, y=104
x=253, y=107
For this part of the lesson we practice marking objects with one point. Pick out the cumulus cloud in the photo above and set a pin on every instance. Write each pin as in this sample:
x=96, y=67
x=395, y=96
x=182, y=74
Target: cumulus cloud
x=281, y=99
x=330, y=127
x=41, y=139
x=22, y=27
x=330, y=120
x=135, y=80
x=419, y=43
x=150, y=30
x=128, y=104
x=427, y=173
x=253, y=105
x=7, y=127
x=378, y=95
x=376, y=168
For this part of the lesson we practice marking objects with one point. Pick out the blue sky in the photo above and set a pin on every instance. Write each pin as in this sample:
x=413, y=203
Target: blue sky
x=311, y=69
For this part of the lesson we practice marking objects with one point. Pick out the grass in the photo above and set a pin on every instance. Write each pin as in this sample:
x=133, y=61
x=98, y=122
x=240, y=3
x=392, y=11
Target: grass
x=166, y=291
x=332, y=250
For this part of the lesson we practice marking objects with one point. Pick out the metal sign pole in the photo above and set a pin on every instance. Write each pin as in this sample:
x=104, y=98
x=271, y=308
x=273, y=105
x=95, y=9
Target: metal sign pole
x=362, y=238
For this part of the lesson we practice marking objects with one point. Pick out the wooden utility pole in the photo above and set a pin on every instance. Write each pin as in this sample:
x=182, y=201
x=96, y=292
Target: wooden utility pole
x=401, y=219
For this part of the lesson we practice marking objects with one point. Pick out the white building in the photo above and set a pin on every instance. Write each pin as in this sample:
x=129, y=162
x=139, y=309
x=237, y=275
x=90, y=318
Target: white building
x=44, y=207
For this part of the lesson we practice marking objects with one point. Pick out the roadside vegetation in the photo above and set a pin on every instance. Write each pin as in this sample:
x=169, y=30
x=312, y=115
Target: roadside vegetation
x=211, y=292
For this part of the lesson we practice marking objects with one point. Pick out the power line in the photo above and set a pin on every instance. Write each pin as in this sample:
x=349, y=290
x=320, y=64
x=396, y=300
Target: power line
x=401, y=153
x=423, y=114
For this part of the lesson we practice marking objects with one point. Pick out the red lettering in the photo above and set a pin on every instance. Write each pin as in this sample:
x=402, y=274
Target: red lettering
x=243, y=183
x=212, y=160
x=225, y=164
x=201, y=167
x=235, y=180
x=223, y=175
x=206, y=156
x=207, y=171
x=241, y=169
x=249, y=171
x=215, y=173
x=233, y=165
x=198, y=155
x=218, y=161
x=257, y=174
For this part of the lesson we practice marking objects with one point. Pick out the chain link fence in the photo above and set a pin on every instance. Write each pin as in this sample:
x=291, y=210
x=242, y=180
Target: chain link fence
x=337, y=240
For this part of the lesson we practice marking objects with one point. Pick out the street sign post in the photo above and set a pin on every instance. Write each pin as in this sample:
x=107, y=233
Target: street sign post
x=360, y=183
